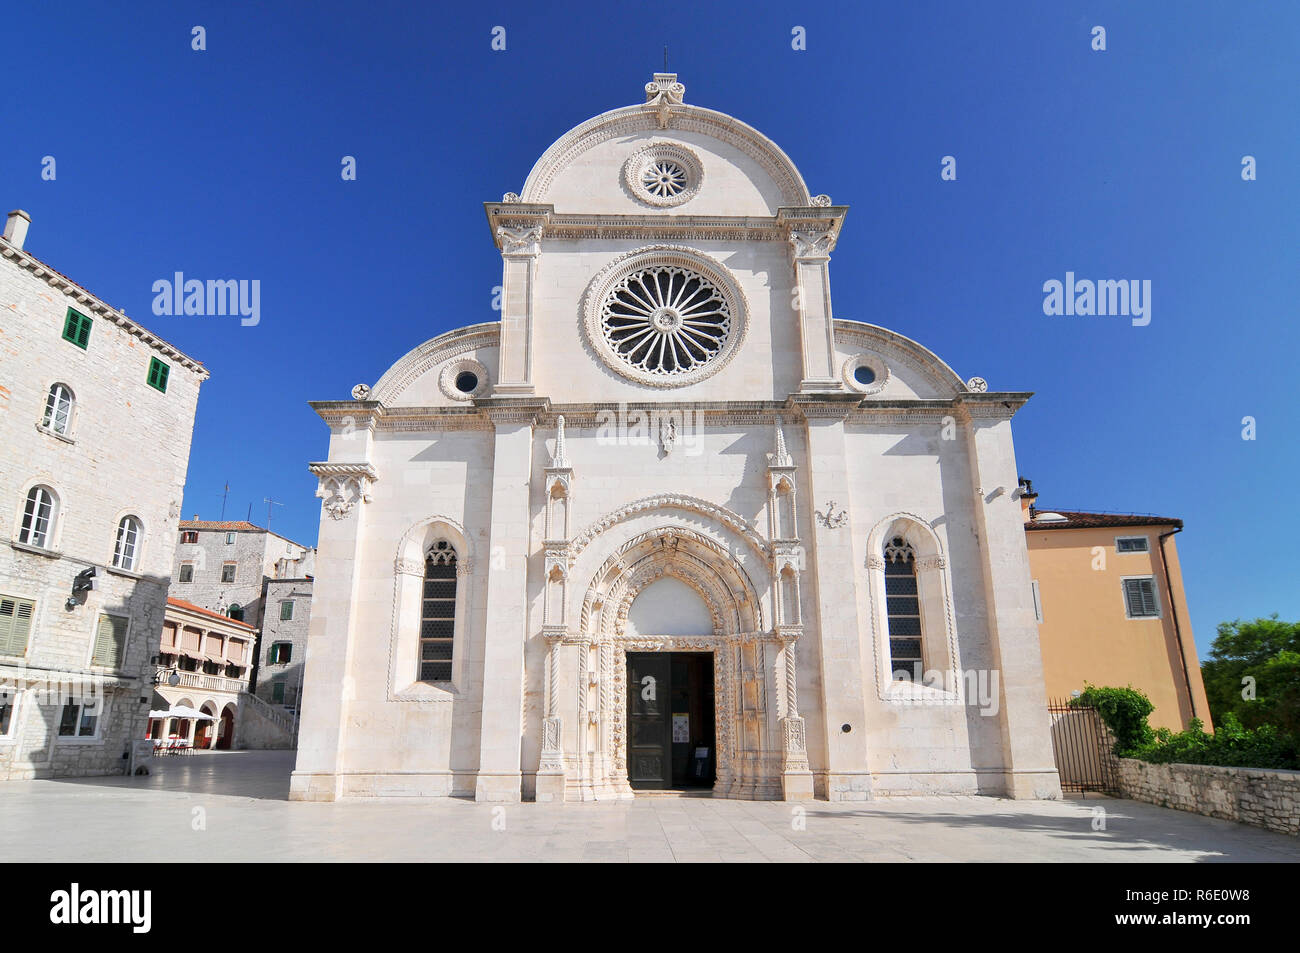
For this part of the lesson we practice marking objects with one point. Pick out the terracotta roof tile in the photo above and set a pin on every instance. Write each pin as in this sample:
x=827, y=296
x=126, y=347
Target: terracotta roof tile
x=182, y=604
x=1076, y=519
x=222, y=524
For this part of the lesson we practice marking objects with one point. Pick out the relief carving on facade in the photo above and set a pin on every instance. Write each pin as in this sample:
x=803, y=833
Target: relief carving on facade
x=343, y=485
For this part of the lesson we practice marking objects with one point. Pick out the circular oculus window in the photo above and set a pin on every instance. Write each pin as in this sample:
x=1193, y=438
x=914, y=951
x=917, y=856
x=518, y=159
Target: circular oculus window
x=666, y=319
x=866, y=374
x=463, y=379
x=663, y=174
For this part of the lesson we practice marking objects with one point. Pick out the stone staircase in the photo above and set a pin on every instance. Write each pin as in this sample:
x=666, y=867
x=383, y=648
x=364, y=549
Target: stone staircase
x=263, y=725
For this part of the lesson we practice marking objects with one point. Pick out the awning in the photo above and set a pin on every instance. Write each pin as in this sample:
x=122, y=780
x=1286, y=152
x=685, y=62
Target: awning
x=182, y=711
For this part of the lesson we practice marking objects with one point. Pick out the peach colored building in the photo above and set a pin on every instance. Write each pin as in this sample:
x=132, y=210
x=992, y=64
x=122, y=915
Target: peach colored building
x=1108, y=594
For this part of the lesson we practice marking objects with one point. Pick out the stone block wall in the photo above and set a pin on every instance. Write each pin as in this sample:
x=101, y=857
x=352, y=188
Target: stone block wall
x=1259, y=796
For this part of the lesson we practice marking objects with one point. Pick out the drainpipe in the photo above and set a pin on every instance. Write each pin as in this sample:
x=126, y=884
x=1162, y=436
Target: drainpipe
x=1173, y=612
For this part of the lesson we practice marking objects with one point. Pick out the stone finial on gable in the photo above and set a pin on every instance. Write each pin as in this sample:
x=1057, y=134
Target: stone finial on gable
x=663, y=93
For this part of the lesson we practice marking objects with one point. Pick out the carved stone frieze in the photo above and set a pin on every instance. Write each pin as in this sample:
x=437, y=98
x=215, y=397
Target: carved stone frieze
x=343, y=485
x=522, y=240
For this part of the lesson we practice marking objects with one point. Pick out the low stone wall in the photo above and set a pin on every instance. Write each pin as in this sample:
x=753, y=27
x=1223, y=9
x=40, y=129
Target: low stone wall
x=1258, y=796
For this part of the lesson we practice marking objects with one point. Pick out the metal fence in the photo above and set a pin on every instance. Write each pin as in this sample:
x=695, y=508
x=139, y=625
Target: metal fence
x=1082, y=748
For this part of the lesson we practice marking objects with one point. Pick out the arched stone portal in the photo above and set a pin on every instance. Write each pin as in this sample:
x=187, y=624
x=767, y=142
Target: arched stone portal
x=748, y=739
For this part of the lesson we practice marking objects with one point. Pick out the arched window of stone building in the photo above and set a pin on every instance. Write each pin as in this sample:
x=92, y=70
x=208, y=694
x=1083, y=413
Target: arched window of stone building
x=58, y=410
x=438, y=613
x=39, y=514
x=126, y=551
x=903, y=609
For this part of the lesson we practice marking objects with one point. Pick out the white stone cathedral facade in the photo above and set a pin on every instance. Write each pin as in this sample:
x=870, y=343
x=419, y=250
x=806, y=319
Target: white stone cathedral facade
x=669, y=444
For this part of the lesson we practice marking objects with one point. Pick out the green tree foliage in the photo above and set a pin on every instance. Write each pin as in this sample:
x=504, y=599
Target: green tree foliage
x=1263, y=654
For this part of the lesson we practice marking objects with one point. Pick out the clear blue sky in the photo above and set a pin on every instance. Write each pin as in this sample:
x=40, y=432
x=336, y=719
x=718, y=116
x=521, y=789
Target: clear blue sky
x=1122, y=164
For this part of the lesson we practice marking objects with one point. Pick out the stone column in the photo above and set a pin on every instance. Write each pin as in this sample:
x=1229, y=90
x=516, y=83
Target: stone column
x=327, y=677
x=844, y=681
x=520, y=248
x=550, y=773
x=551, y=781
x=1029, y=764
x=796, y=778
x=500, y=751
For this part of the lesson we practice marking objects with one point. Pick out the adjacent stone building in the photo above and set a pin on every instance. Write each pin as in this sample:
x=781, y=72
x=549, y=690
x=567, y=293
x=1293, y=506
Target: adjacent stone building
x=670, y=522
x=204, y=660
x=284, y=641
x=246, y=572
x=96, y=416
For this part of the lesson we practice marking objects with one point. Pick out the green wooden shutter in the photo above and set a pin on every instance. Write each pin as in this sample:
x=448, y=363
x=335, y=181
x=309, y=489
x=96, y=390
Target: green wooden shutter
x=76, y=328
x=110, y=641
x=158, y=372
x=15, y=625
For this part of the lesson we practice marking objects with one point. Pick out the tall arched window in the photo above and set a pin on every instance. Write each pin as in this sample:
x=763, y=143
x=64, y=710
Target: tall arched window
x=903, y=608
x=438, y=613
x=126, y=551
x=58, y=409
x=38, y=518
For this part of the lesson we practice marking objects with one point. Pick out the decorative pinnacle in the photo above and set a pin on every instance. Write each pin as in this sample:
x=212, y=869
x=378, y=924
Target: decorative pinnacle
x=560, y=458
x=782, y=457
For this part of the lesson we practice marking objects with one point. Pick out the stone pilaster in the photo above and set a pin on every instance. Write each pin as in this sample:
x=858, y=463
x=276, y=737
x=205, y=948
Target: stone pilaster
x=812, y=233
x=520, y=249
x=1029, y=764
x=843, y=679
x=327, y=676
x=499, y=774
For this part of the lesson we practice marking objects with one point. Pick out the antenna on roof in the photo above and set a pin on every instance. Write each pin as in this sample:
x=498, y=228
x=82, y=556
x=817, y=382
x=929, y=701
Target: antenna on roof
x=665, y=57
x=225, y=493
x=270, y=503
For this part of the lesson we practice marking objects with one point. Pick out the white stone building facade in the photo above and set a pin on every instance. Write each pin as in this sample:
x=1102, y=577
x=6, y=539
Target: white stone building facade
x=204, y=661
x=668, y=456
x=96, y=416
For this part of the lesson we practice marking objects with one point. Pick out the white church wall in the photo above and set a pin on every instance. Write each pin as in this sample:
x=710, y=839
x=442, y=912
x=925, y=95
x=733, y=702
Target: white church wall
x=733, y=183
x=649, y=469
x=567, y=369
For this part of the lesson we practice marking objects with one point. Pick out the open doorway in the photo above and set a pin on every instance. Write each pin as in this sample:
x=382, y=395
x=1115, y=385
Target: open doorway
x=670, y=721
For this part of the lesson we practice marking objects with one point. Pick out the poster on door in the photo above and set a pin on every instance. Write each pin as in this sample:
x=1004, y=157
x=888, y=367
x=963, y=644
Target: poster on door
x=681, y=728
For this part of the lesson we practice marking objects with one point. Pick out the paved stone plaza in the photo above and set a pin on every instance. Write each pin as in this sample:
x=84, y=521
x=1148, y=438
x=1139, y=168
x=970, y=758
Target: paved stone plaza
x=243, y=797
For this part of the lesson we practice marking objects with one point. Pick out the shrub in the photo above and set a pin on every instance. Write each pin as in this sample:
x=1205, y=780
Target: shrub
x=1231, y=745
x=1124, y=710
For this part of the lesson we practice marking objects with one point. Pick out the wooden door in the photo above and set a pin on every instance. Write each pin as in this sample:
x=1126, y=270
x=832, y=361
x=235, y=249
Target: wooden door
x=649, y=729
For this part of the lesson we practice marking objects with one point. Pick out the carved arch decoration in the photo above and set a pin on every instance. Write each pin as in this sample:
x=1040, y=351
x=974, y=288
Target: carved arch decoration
x=632, y=120
x=675, y=501
x=739, y=627
x=419, y=361
x=897, y=349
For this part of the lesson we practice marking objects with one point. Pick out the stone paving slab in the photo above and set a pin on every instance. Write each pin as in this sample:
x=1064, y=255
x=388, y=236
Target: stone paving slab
x=241, y=799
